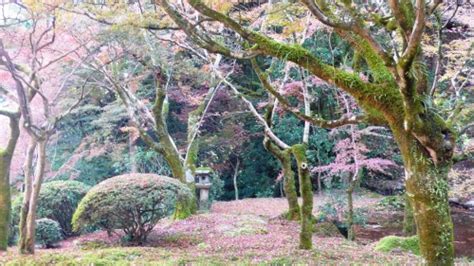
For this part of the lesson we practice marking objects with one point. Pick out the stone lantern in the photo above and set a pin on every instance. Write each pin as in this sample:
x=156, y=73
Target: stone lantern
x=203, y=184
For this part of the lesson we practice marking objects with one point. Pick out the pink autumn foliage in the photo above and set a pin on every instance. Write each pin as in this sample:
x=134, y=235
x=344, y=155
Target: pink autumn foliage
x=346, y=152
x=293, y=88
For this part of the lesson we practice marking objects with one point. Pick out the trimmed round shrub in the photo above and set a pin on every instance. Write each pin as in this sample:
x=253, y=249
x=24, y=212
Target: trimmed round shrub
x=133, y=203
x=48, y=232
x=58, y=201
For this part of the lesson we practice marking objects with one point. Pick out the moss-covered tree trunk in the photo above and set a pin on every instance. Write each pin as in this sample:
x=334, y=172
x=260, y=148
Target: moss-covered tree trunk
x=427, y=190
x=409, y=226
x=5, y=200
x=289, y=186
x=294, y=211
x=284, y=156
x=5, y=197
x=166, y=147
x=306, y=234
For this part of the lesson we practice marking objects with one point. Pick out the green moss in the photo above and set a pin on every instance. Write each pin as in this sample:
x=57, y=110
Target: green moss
x=376, y=64
x=5, y=200
x=184, y=208
x=382, y=96
x=203, y=169
x=428, y=190
x=299, y=151
x=390, y=243
x=326, y=229
x=105, y=257
x=294, y=210
x=246, y=225
x=282, y=261
x=92, y=245
x=409, y=226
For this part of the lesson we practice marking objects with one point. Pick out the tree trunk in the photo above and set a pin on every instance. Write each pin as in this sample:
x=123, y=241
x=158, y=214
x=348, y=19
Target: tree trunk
x=352, y=181
x=350, y=214
x=236, y=173
x=132, y=153
x=5, y=200
x=5, y=197
x=284, y=157
x=320, y=186
x=306, y=234
x=427, y=190
x=409, y=226
x=294, y=211
x=28, y=225
x=27, y=169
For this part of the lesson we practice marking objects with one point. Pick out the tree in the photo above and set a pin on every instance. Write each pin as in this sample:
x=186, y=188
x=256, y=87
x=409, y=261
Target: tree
x=351, y=158
x=393, y=91
x=6, y=155
x=35, y=74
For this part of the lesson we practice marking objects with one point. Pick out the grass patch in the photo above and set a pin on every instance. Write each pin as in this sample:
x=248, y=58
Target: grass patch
x=104, y=257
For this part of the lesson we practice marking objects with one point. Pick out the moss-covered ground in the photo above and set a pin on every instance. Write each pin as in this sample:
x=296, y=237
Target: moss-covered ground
x=243, y=232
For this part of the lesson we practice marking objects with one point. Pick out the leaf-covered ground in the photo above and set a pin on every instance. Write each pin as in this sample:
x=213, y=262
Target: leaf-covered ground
x=248, y=231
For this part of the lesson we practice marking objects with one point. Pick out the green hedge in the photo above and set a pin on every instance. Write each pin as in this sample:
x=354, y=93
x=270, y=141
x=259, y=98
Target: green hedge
x=58, y=201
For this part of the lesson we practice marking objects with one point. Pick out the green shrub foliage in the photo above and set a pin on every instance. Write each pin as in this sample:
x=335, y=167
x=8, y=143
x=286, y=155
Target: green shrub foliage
x=57, y=200
x=133, y=203
x=395, y=202
x=48, y=232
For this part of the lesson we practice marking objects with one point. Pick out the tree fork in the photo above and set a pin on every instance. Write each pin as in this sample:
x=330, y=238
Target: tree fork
x=284, y=157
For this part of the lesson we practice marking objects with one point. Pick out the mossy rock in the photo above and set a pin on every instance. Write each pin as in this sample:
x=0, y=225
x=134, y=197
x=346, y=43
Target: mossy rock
x=390, y=243
x=326, y=229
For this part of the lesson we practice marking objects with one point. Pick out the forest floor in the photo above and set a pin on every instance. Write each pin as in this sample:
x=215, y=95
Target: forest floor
x=248, y=231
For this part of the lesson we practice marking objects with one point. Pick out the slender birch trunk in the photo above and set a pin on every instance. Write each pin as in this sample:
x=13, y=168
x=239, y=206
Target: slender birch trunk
x=236, y=173
x=34, y=181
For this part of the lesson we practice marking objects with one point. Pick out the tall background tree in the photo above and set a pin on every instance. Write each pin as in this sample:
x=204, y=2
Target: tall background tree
x=41, y=73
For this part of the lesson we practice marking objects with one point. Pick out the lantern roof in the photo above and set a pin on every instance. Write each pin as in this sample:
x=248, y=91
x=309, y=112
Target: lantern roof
x=203, y=170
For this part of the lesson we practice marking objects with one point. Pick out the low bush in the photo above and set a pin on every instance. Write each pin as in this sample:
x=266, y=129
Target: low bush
x=390, y=243
x=217, y=189
x=58, y=201
x=133, y=203
x=48, y=232
x=396, y=202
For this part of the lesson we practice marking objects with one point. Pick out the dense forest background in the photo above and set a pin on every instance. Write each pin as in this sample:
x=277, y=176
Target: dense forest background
x=95, y=90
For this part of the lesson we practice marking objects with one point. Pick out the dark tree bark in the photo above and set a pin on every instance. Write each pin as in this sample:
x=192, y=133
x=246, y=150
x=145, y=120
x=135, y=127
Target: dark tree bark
x=6, y=156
